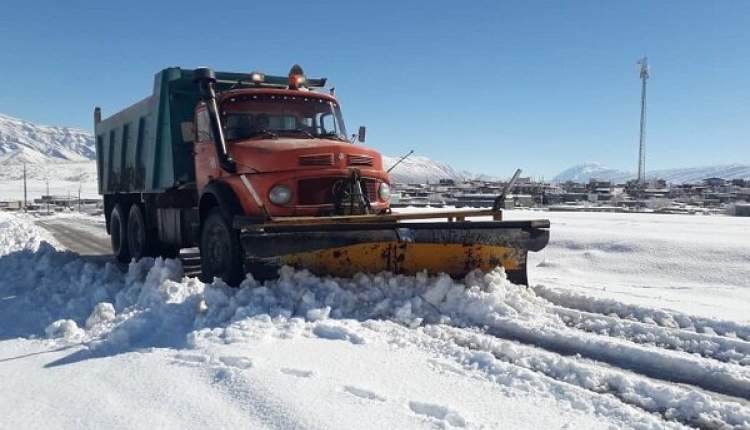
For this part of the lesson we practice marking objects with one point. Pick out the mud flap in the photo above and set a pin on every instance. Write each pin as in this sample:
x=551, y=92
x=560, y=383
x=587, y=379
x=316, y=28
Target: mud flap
x=455, y=248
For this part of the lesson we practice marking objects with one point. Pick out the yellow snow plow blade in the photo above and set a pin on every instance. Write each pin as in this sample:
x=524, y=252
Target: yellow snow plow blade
x=406, y=258
x=346, y=248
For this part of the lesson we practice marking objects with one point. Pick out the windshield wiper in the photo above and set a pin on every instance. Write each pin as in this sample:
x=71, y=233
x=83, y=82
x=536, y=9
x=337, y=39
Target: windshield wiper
x=264, y=133
x=333, y=136
x=305, y=132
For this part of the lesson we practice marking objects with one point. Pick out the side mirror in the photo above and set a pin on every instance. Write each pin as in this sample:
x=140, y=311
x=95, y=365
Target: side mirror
x=361, y=134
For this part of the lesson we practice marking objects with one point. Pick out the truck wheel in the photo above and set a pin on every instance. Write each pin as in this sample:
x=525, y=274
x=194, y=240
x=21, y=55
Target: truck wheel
x=139, y=242
x=221, y=254
x=119, y=235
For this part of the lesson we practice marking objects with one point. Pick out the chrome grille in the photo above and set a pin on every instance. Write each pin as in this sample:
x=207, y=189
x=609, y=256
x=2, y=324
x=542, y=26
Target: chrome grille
x=371, y=190
x=319, y=191
x=359, y=160
x=316, y=160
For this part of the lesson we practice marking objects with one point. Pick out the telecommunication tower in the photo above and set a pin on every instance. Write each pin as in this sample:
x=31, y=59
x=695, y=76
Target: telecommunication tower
x=643, y=62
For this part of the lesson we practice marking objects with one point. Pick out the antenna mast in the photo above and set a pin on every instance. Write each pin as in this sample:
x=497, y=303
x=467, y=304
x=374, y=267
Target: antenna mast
x=643, y=62
x=24, y=186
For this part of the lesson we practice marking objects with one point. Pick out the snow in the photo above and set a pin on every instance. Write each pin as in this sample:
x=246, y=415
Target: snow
x=65, y=179
x=621, y=329
x=17, y=233
x=696, y=264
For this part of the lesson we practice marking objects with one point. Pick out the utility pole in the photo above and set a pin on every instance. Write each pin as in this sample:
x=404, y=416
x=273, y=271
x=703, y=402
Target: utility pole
x=643, y=62
x=79, y=197
x=24, y=186
x=48, y=197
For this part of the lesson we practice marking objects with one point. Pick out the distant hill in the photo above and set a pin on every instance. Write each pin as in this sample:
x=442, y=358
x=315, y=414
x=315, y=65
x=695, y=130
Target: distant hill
x=585, y=172
x=420, y=169
x=591, y=170
x=23, y=141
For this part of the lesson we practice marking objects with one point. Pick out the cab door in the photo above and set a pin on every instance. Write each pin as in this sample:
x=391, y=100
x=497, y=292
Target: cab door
x=206, y=160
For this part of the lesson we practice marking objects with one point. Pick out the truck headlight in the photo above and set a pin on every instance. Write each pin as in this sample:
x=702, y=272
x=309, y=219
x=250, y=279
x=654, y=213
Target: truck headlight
x=280, y=195
x=384, y=192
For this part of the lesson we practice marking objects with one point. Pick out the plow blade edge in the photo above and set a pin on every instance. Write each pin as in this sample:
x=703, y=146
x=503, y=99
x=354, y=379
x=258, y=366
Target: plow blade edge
x=455, y=248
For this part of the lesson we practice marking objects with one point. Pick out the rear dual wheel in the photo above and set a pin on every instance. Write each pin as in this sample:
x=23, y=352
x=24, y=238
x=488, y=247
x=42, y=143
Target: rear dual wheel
x=140, y=243
x=118, y=234
x=131, y=238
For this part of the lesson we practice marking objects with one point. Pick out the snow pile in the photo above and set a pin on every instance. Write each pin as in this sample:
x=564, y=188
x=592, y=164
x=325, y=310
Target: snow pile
x=153, y=303
x=408, y=300
x=19, y=234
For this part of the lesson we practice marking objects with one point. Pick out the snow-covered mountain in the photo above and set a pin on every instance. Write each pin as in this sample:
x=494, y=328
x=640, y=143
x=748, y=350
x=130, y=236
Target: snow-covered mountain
x=592, y=170
x=23, y=141
x=695, y=174
x=420, y=169
x=58, y=159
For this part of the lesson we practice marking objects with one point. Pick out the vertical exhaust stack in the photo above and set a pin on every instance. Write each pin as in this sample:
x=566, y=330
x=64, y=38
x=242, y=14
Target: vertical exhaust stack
x=206, y=78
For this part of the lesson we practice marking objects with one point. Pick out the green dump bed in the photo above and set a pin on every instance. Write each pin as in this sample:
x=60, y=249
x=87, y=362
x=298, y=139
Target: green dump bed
x=140, y=149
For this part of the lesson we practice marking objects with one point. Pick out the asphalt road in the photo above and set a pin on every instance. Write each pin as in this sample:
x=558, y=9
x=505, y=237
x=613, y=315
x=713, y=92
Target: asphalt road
x=78, y=236
x=91, y=241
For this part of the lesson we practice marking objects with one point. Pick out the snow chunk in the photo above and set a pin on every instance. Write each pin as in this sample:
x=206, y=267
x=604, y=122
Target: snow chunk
x=103, y=312
x=336, y=332
x=65, y=329
x=318, y=314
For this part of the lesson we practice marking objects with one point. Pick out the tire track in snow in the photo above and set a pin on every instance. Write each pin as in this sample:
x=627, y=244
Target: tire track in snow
x=673, y=403
x=721, y=348
x=672, y=366
x=513, y=378
x=644, y=314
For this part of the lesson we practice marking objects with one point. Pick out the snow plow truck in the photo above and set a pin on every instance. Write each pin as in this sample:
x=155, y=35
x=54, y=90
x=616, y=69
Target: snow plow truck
x=258, y=172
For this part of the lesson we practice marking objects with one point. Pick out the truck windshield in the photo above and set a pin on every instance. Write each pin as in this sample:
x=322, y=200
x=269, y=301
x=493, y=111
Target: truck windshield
x=268, y=116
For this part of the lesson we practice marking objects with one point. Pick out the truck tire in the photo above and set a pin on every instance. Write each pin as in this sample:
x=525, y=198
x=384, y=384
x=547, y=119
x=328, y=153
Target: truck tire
x=221, y=254
x=140, y=243
x=118, y=234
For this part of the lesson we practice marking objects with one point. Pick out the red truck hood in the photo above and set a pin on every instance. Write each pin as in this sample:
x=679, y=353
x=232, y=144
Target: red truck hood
x=277, y=155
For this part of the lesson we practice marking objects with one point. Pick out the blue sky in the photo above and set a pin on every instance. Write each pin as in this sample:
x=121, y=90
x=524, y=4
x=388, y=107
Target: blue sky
x=484, y=85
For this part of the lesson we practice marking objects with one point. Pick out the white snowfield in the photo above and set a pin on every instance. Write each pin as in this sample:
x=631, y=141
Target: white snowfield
x=606, y=337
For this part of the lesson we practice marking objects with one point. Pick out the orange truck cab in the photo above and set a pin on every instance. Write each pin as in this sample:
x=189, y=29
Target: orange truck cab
x=291, y=152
